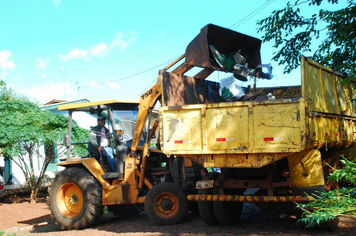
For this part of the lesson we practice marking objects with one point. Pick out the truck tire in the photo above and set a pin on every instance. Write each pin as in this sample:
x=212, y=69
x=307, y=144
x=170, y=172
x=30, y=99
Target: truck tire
x=227, y=213
x=166, y=204
x=206, y=208
x=75, y=199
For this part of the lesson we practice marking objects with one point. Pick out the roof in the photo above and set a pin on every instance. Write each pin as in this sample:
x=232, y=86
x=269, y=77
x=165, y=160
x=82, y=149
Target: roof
x=53, y=105
x=54, y=101
x=129, y=104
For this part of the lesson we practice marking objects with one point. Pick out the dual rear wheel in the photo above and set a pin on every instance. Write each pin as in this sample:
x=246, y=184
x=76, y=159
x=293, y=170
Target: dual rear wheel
x=219, y=212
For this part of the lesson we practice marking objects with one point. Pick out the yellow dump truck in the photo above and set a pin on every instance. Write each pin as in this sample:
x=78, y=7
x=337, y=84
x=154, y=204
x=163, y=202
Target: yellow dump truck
x=276, y=141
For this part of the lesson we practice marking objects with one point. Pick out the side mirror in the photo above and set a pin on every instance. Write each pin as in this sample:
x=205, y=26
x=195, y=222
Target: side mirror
x=66, y=141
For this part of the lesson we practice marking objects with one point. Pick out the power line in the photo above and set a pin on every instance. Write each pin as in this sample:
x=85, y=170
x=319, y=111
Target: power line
x=252, y=14
x=130, y=76
x=149, y=86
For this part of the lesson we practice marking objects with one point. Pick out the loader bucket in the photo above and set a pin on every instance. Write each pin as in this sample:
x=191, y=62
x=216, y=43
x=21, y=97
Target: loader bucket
x=226, y=41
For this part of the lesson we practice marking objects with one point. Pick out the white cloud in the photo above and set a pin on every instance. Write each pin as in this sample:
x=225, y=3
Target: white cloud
x=114, y=85
x=5, y=63
x=99, y=50
x=48, y=91
x=160, y=32
x=120, y=41
x=41, y=64
x=75, y=53
x=56, y=2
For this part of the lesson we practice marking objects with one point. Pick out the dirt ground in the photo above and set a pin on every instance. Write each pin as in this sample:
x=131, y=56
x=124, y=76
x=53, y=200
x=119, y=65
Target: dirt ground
x=18, y=217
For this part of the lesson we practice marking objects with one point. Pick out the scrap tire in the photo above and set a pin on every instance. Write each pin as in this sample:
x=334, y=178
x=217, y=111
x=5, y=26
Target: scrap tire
x=166, y=204
x=206, y=208
x=75, y=199
x=227, y=213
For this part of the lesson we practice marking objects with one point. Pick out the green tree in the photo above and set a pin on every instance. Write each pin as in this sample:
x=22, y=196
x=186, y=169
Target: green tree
x=335, y=203
x=25, y=129
x=293, y=33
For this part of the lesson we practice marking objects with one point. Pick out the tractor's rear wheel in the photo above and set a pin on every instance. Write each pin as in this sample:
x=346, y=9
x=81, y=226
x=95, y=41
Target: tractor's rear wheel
x=166, y=204
x=75, y=199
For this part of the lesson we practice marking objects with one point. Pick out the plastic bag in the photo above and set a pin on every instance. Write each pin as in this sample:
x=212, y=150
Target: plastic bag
x=230, y=89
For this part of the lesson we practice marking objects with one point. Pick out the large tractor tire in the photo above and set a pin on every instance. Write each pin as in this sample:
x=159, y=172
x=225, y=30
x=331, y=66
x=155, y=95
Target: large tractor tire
x=206, y=208
x=166, y=204
x=227, y=213
x=75, y=199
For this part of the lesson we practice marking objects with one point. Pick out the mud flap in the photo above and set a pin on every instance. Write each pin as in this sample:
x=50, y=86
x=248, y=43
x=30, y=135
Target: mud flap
x=306, y=171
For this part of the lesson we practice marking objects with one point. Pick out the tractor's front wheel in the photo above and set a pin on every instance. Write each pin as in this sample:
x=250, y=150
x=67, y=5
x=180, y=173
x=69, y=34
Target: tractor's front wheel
x=166, y=204
x=75, y=199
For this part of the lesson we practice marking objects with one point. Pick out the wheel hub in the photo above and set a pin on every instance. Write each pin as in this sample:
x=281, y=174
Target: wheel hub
x=74, y=199
x=166, y=204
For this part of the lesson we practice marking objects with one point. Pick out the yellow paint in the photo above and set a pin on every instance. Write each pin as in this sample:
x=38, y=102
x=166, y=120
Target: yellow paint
x=116, y=195
x=234, y=128
x=306, y=168
x=71, y=161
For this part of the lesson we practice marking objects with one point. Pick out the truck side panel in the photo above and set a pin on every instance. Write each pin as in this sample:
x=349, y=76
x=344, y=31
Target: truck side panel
x=331, y=106
x=234, y=128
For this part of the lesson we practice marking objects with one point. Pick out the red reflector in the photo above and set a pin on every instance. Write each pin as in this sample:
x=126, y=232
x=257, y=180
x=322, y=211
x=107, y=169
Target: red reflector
x=203, y=172
x=268, y=139
x=1, y=187
x=220, y=139
x=178, y=141
x=285, y=173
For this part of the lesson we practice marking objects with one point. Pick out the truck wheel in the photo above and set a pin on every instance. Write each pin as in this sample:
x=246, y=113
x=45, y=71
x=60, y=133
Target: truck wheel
x=227, y=213
x=75, y=199
x=166, y=204
x=206, y=208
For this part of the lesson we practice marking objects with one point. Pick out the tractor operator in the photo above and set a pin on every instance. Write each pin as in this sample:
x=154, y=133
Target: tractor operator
x=99, y=143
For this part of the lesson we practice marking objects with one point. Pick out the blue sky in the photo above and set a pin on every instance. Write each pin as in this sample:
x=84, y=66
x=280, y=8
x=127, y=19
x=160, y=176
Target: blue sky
x=61, y=49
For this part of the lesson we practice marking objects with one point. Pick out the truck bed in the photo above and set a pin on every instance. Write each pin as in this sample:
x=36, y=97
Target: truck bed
x=319, y=113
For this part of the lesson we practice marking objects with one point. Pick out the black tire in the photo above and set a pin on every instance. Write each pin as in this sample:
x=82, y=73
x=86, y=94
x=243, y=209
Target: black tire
x=123, y=210
x=75, y=199
x=166, y=204
x=206, y=208
x=227, y=213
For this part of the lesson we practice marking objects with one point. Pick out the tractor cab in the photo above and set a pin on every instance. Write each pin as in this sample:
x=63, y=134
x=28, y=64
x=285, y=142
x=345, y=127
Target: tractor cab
x=120, y=120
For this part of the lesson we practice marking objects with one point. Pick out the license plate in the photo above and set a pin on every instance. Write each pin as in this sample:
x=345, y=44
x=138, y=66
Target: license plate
x=204, y=184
